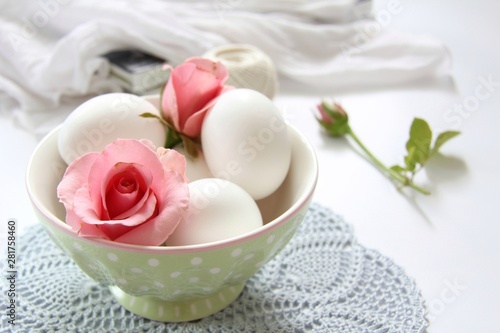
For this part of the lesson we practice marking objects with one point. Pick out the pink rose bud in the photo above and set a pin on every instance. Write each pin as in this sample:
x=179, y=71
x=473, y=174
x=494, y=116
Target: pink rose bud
x=191, y=92
x=333, y=118
x=131, y=192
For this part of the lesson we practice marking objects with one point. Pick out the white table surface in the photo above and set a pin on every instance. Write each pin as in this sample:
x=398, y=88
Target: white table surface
x=448, y=241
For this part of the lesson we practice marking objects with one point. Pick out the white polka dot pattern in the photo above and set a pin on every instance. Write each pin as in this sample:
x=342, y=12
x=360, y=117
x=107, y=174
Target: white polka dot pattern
x=366, y=291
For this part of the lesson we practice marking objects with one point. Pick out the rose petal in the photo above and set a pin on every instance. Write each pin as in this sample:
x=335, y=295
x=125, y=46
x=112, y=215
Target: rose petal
x=84, y=206
x=184, y=73
x=173, y=207
x=124, y=151
x=169, y=105
x=75, y=176
x=145, y=212
x=172, y=160
x=113, y=231
x=192, y=96
x=81, y=228
x=192, y=127
x=90, y=230
x=87, y=215
x=116, y=203
x=73, y=220
x=148, y=144
x=325, y=117
x=216, y=68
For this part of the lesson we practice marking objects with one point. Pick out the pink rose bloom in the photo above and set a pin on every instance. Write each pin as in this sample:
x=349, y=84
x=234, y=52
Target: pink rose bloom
x=191, y=91
x=333, y=118
x=132, y=193
x=324, y=117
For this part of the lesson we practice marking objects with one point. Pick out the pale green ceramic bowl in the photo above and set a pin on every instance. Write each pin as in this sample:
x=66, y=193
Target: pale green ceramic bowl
x=176, y=283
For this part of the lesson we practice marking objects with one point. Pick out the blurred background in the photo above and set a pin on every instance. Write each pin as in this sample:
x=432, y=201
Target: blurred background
x=385, y=61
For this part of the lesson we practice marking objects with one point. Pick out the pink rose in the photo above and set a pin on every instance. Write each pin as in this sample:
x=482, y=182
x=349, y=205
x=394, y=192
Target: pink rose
x=191, y=91
x=333, y=118
x=324, y=117
x=131, y=192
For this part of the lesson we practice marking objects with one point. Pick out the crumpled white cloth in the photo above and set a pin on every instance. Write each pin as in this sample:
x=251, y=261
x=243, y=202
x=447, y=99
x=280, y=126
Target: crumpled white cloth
x=49, y=59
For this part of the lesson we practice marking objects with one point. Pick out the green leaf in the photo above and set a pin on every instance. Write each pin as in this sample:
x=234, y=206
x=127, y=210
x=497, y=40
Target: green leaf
x=397, y=168
x=152, y=115
x=410, y=159
x=419, y=143
x=148, y=115
x=442, y=139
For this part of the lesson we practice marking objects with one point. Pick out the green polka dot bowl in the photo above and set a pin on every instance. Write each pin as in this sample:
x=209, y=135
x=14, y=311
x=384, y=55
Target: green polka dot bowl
x=178, y=283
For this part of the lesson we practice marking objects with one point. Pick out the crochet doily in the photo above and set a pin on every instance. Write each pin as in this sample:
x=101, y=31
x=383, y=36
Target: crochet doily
x=322, y=281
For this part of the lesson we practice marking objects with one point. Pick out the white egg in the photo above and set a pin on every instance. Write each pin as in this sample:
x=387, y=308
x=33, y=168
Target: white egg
x=196, y=168
x=218, y=210
x=105, y=118
x=245, y=140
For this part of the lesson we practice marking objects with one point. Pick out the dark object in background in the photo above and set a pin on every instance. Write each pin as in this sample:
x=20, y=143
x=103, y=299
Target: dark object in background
x=137, y=72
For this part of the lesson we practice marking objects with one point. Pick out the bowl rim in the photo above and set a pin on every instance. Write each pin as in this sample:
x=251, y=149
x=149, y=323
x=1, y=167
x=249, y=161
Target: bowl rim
x=53, y=220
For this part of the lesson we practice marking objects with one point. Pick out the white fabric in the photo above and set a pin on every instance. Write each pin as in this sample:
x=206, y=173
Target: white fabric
x=49, y=59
